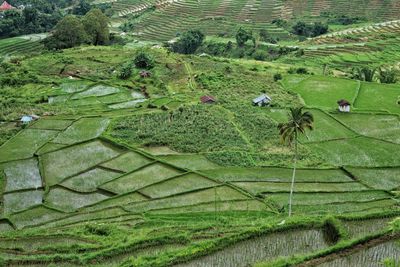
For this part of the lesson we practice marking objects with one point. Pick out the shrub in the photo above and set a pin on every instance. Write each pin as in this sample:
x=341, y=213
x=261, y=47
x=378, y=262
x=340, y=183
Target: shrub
x=144, y=61
x=260, y=55
x=387, y=76
x=277, y=77
x=242, y=36
x=301, y=70
x=125, y=71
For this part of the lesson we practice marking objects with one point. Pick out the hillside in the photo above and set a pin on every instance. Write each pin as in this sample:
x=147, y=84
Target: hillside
x=162, y=20
x=135, y=155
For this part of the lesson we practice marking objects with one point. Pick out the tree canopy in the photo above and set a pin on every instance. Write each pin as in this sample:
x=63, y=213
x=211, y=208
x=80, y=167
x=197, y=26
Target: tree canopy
x=188, y=42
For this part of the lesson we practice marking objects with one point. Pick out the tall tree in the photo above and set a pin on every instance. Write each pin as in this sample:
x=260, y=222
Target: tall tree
x=188, y=42
x=242, y=36
x=298, y=123
x=96, y=27
x=69, y=32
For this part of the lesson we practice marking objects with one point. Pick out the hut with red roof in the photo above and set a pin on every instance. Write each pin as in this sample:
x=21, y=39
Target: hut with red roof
x=5, y=6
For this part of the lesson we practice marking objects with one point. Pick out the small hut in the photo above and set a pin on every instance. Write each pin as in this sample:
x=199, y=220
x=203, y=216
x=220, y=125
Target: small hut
x=262, y=100
x=207, y=99
x=5, y=6
x=26, y=119
x=344, y=105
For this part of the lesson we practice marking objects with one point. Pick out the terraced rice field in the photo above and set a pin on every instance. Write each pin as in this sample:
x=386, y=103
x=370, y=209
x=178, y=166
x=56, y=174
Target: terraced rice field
x=20, y=45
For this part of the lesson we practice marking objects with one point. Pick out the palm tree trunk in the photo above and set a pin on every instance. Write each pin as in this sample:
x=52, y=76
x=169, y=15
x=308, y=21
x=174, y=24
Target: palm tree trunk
x=294, y=174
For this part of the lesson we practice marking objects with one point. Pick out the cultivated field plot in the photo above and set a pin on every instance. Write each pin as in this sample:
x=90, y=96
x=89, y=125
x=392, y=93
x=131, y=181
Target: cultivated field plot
x=323, y=92
x=360, y=151
x=384, y=127
x=379, y=97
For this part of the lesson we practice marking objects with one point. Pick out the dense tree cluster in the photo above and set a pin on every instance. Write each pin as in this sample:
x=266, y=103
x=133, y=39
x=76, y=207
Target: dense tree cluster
x=188, y=42
x=73, y=31
x=36, y=16
x=27, y=21
x=309, y=30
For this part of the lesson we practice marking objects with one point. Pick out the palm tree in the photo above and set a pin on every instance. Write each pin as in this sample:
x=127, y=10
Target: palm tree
x=298, y=123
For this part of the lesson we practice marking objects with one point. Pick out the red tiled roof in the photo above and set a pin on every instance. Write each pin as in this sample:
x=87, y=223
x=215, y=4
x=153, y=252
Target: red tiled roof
x=207, y=98
x=5, y=6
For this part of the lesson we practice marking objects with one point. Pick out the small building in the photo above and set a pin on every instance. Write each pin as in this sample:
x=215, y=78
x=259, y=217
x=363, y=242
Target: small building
x=5, y=6
x=262, y=100
x=26, y=119
x=207, y=99
x=344, y=105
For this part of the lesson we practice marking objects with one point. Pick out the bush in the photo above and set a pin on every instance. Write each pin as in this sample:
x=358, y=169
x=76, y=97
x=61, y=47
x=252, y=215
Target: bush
x=277, y=77
x=144, y=61
x=387, y=76
x=242, y=36
x=260, y=55
x=125, y=71
x=301, y=70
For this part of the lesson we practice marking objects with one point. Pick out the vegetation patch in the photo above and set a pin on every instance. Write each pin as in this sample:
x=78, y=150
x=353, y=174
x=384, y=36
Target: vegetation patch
x=181, y=184
x=68, y=200
x=223, y=193
x=379, y=97
x=270, y=174
x=323, y=92
x=82, y=130
x=90, y=180
x=18, y=201
x=127, y=162
x=99, y=90
x=148, y=175
x=22, y=174
x=385, y=127
x=189, y=161
x=25, y=144
x=190, y=129
x=51, y=124
x=373, y=177
x=72, y=160
x=359, y=151
x=262, y=187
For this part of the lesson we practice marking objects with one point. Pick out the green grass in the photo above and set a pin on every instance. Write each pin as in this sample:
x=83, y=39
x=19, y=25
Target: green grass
x=326, y=198
x=223, y=193
x=181, y=184
x=190, y=161
x=384, y=127
x=148, y=175
x=82, y=130
x=72, y=160
x=359, y=151
x=323, y=92
x=384, y=179
x=277, y=175
x=379, y=97
x=194, y=129
x=52, y=124
x=263, y=187
x=68, y=200
x=127, y=162
x=35, y=216
x=90, y=180
x=325, y=128
x=25, y=144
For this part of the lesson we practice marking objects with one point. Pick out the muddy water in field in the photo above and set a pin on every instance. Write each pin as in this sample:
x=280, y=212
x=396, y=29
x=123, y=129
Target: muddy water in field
x=370, y=257
x=362, y=228
x=267, y=247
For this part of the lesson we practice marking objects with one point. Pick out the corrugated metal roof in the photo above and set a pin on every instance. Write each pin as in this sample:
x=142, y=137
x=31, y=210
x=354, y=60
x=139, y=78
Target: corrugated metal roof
x=261, y=98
